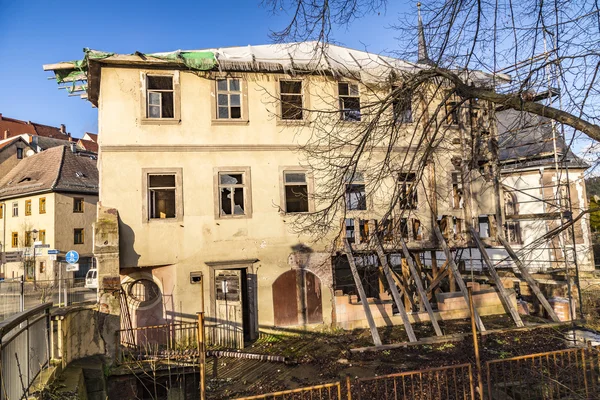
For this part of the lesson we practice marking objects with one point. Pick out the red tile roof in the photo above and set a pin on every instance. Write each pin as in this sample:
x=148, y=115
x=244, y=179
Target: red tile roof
x=15, y=127
x=88, y=145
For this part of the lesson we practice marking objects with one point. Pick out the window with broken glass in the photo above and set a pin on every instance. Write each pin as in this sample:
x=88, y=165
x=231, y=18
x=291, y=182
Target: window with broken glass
x=296, y=192
x=512, y=232
x=161, y=196
x=349, y=102
x=232, y=193
x=356, y=196
x=291, y=100
x=160, y=96
x=457, y=191
x=402, y=107
x=229, y=98
x=407, y=191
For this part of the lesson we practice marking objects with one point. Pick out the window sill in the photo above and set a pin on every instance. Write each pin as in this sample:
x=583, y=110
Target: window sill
x=292, y=122
x=162, y=220
x=226, y=217
x=239, y=122
x=160, y=121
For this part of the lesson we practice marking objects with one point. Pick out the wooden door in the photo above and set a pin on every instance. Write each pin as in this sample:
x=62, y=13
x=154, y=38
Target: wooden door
x=297, y=299
x=285, y=299
x=314, y=302
x=229, y=329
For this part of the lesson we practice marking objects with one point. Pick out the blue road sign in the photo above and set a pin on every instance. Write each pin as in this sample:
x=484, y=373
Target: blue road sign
x=52, y=251
x=72, y=257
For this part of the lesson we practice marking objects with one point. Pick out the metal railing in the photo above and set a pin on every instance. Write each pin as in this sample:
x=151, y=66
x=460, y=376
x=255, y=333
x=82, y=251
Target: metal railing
x=329, y=391
x=18, y=295
x=171, y=341
x=559, y=374
x=24, y=350
x=453, y=382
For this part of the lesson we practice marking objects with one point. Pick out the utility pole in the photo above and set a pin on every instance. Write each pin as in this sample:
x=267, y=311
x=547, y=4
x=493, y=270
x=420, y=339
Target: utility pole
x=202, y=355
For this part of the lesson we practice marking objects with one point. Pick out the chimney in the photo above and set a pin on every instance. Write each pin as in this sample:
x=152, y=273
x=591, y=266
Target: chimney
x=6, y=134
x=0, y=116
x=70, y=139
x=63, y=129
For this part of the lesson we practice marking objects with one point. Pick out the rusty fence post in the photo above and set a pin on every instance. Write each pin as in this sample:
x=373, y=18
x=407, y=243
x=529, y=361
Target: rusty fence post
x=475, y=344
x=348, y=388
x=201, y=355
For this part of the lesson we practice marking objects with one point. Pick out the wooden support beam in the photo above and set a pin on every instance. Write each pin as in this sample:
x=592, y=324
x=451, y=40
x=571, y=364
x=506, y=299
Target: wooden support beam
x=514, y=313
x=397, y=299
x=456, y=274
x=403, y=286
x=443, y=272
x=362, y=294
x=419, y=285
x=408, y=300
x=529, y=279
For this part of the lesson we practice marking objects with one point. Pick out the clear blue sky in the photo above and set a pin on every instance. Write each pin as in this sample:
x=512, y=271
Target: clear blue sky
x=37, y=32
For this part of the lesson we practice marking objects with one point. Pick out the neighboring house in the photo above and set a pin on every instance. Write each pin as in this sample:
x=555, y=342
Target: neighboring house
x=12, y=151
x=53, y=192
x=538, y=191
x=205, y=173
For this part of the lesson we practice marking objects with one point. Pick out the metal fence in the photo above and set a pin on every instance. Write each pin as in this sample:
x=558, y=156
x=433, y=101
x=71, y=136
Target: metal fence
x=24, y=350
x=159, y=341
x=18, y=295
x=560, y=374
x=453, y=382
x=329, y=391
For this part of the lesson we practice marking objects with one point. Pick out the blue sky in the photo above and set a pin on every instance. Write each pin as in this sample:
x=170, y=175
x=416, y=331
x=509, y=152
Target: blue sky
x=37, y=32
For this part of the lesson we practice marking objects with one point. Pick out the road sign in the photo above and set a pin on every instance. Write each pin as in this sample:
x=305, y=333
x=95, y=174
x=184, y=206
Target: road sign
x=72, y=267
x=72, y=257
x=52, y=251
x=52, y=257
x=42, y=246
x=12, y=256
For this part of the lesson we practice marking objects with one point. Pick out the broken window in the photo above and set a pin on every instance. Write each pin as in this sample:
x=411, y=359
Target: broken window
x=404, y=228
x=407, y=191
x=402, y=106
x=349, y=101
x=296, y=192
x=161, y=196
x=350, y=232
x=291, y=100
x=457, y=191
x=452, y=112
x=484, y=226
x=229, y=98
x=232, y=193
x=78, y=236
x=159, y=96
x=367, y=267
x=417, y=229
x=227, y=286
x=512, y=232
x=356, y=196
x=363, y=227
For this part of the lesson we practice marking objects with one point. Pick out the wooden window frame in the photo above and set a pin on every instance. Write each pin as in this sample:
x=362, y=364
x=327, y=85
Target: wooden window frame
x=347, y=182
x=245, y=119
x=27, y=208
x=75, y=235
x=15, y=209
x=179, y=209
x=14, y=240
x=42, y=205
x=144, y=120
x=397, y=103
x=341, y=97
x=310, y=187
x=404, y=188
x=247, y=185
x=76, y=202
x=42, y=236
x=303, y=98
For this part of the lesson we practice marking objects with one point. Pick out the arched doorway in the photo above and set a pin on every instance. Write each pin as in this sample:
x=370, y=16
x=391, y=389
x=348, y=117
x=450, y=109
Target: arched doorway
x=297, y=298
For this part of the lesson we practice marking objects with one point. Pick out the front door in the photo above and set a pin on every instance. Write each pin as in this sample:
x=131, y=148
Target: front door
x=229, y=308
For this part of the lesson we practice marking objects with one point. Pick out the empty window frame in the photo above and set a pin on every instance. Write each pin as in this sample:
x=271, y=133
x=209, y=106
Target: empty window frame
x=42, y=205
x=510, y=204
x=78, y=236
x=229, y=98
x=484, y=226
x=162, y=196
x=349, y=98
x=457, y=191
x=27, y=207
x=512, y=232
x=407, y=191
x=295, y=191
x=160, y=96
x=291, y=100
x=452, y=112
x=78, y=204
x=356, y=195
x=15, y=209
x=15, y=239
x=19, y=153
x=402, y=107
x=233, y=193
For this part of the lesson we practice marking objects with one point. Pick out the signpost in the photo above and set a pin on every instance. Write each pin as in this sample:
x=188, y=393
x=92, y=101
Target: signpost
x=12, y=256
x=72, y=267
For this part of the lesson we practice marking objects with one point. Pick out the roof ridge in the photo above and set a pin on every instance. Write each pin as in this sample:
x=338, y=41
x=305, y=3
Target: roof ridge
x=62, y=161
